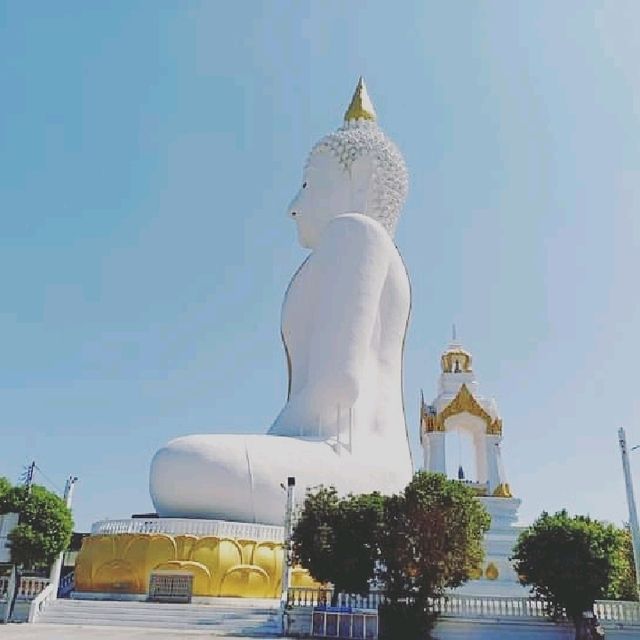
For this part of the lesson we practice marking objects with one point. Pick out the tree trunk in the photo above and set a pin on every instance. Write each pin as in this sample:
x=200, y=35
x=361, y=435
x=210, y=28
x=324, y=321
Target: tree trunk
x=587, y=628
x=581, y=630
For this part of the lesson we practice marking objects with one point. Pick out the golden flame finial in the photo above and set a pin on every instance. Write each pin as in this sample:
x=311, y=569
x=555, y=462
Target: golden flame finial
x=361, y=107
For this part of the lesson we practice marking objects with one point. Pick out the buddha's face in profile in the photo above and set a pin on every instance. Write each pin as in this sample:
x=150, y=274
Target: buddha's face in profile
x=329, y=189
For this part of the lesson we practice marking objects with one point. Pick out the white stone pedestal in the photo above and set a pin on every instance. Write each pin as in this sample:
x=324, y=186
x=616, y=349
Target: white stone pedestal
x=498, y=575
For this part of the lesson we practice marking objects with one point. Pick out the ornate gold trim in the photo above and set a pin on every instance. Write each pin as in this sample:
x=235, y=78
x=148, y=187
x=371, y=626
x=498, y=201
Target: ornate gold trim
x=463, y=402
x=503, y=491
x=492, y=572
x=495, y=428
x=456, y=361
x=430, y=422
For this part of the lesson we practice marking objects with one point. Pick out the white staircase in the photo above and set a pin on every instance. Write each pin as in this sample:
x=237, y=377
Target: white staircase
x=224, y=616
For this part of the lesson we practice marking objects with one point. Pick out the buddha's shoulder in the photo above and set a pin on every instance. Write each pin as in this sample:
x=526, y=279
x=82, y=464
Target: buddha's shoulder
x=356, y=228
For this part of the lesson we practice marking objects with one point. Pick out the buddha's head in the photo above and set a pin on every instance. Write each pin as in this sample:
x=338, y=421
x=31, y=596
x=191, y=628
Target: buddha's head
x=357, y=169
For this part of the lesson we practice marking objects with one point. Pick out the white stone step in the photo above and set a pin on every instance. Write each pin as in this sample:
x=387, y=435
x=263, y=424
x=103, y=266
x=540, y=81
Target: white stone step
x=269, y=604
x=214, y=608
x=219, y=618
x=161, y=613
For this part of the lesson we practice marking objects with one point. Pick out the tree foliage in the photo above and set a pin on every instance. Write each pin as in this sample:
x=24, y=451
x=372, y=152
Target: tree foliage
x=418, y=543
x=45, y=525
x=432, y=538
x=5, y=485
x=626, y=586
x=572, y=561
x=336, y=539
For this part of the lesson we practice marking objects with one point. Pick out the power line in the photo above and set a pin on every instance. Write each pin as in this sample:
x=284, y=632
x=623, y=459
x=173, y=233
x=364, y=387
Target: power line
x=51, y=482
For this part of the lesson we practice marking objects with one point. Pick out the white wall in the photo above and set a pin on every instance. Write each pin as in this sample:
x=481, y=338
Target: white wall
x=8, y=522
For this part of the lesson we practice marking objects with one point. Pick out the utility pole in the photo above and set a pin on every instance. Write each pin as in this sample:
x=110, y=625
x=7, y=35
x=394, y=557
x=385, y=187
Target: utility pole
x=631, y=502
x=288, y=527
x=56, y=569
x=27, y=476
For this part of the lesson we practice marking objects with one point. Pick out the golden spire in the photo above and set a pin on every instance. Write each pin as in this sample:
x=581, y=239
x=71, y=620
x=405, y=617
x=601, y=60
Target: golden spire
x=361, y=107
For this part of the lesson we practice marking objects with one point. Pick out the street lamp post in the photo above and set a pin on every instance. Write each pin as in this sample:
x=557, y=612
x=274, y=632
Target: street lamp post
x=288, y=527
x=56, y=569
x=631, y=502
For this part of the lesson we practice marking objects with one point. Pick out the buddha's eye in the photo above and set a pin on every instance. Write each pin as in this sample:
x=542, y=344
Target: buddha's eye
x=304, y=185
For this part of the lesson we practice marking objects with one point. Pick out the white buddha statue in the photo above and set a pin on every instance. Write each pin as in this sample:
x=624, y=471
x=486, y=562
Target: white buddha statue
x=344, y=319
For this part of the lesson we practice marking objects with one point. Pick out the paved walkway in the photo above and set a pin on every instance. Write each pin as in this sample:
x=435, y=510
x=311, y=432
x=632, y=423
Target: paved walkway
x=72, y=632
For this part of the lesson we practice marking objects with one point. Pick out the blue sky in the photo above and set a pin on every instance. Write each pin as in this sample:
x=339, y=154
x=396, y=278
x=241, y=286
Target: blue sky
x=148, y=151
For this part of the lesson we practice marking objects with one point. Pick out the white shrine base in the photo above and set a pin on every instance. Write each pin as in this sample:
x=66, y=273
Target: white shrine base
x=190, y=526
x=499, y=542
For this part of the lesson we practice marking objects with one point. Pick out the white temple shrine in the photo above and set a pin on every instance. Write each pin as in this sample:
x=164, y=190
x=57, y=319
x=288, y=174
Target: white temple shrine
x=460, y=408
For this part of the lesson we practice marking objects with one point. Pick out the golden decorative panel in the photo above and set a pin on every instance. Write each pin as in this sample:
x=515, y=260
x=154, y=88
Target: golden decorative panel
x=122, y=563
x=456, y=361
x=503, y=491
x=463, y=402
x=430, y=422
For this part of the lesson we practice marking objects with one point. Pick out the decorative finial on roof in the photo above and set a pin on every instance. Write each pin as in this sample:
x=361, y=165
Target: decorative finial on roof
x=361, y=107
x=455, y=359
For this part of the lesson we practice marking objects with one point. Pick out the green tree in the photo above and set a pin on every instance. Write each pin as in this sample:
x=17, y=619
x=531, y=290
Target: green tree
x=45, y=525
x=5, y=485
x=419, y=543
x=432, y=540
x=336, y=539
x=571, y=562
x=625, y=585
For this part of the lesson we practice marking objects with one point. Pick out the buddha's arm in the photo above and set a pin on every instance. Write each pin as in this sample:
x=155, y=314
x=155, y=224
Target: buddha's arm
x=351, y=263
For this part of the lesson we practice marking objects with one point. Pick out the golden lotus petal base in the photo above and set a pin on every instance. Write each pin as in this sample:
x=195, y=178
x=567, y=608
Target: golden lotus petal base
x=122, y=563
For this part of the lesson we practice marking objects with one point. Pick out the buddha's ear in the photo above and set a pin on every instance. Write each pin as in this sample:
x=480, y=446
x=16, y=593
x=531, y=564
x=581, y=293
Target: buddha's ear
x=362, y=176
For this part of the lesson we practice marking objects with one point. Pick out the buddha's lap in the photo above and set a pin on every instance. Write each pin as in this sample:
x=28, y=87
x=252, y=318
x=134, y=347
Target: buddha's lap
x=256, y=465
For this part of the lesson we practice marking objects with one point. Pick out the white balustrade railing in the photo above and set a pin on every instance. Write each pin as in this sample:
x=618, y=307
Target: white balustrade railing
x=459, y=606
x=617, y=611
x=356, y=601
x=186, y=526
x=30, y=587
x=308, y=596
x=314, y=596
x=34, y=590
x=41, y=602
x=462, y=606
